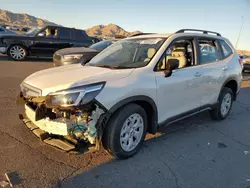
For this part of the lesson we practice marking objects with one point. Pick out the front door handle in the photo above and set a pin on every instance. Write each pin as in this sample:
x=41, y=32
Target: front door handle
x=198, y=74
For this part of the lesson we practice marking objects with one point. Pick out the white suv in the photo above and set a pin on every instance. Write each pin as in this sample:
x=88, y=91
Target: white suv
x=131, y=88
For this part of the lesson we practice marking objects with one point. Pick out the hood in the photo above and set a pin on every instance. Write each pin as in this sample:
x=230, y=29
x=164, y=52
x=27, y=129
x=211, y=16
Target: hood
x=64, y=77
x=75, y=50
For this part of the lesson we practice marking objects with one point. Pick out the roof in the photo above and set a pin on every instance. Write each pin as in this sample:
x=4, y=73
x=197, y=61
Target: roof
x=180, y=33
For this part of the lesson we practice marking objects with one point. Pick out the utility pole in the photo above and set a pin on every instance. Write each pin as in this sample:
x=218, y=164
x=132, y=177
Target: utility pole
x=242, y=22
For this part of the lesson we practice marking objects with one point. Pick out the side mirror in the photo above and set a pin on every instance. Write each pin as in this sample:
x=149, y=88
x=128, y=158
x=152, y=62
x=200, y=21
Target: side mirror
x=172, y=65
x=86, y=58
x=41, y=34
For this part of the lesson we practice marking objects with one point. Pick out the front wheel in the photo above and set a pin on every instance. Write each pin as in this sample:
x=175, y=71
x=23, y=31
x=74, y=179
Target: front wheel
x=17, y=52
x=224, y=105
x=126, y=131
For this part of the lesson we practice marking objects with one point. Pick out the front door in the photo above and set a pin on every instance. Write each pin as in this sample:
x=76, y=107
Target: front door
x=182, y=91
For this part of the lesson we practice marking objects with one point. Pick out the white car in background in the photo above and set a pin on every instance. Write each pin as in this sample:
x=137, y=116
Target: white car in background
x=132, y=87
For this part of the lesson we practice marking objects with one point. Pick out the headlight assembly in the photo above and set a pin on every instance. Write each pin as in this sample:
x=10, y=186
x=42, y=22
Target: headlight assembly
x=74, y=96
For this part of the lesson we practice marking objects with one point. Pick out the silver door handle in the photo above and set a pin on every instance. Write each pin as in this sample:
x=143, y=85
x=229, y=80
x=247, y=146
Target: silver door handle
x=197, y=74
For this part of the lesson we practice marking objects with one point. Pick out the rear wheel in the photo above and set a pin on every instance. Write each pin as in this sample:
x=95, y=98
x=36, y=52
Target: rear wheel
x=126, y=131
x=224, y=106
x=17, y=52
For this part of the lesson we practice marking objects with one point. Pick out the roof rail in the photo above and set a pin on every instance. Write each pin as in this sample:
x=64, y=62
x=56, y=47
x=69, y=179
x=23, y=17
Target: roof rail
x=138, y=34
x=198, y=30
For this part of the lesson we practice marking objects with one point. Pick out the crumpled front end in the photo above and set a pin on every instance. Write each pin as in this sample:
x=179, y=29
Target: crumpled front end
x=67, y=128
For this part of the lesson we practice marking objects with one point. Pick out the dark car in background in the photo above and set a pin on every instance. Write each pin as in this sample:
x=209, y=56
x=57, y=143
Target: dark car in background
x=43, y=41
x=79, y=55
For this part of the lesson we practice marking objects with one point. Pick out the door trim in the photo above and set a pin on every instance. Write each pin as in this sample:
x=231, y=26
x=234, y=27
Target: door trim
x=187, y=114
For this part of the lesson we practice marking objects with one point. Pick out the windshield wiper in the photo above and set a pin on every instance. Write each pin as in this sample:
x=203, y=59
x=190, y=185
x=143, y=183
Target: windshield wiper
x=104, y=66
x=113, y=67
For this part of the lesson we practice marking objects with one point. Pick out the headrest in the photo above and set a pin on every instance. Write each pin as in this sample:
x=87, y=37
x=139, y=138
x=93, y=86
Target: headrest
x=178, y=52
x=151, y=52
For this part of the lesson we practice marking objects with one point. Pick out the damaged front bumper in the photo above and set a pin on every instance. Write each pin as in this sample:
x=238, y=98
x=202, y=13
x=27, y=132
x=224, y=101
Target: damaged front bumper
x=68, y=129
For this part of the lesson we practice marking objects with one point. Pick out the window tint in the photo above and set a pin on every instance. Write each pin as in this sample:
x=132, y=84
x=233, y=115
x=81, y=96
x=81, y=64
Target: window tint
x=101, y=45
x=80, y=35
x=209, y=52
x=1, y=30
x=63, y=33
x=226, y=50
x=181, y=50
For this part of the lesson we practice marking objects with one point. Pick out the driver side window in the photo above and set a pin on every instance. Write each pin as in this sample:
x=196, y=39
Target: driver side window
x=182, y=50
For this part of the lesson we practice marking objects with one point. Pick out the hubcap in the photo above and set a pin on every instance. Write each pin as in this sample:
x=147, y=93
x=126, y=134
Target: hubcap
x=131, y=132
x=226, y=104
x=17, y=52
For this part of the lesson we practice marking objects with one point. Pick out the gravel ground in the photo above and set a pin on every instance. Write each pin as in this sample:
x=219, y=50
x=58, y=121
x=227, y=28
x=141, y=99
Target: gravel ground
x=196, y=152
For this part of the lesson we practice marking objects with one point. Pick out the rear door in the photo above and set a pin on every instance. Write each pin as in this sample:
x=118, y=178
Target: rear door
x=64, y=38
x=214, y=69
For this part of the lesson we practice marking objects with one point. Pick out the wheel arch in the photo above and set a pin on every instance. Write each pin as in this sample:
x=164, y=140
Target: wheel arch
x=233, y=85
x=17, y=43
x=146, y=103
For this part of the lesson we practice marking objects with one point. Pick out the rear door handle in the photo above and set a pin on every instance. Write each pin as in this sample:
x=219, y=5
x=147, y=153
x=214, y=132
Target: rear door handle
x=198, y=74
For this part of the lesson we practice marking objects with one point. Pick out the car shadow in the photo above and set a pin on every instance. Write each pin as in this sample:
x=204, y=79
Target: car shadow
x=157, y=153
x=149, y=157
x=28, y=59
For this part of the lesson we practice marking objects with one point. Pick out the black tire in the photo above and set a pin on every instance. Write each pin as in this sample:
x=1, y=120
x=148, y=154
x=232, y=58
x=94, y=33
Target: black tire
x=216, y=113
x=23, y=52
x=111, y=137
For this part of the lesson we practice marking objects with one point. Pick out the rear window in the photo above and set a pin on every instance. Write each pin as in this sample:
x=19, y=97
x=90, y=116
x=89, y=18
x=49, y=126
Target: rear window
x=209, y=51
x=80, y=35
x=226, y=50
x=64, y=33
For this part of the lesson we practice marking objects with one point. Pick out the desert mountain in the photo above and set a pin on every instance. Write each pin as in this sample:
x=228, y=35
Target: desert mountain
x=10, y=18
x=109, y=30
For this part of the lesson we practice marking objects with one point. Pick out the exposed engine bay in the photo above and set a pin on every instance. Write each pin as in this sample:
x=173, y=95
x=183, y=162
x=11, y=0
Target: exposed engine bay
x=74, y=124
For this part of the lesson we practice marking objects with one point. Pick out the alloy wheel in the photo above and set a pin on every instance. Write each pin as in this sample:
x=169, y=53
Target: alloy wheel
x=226, y=104
x=17, y=52
x=131, y=132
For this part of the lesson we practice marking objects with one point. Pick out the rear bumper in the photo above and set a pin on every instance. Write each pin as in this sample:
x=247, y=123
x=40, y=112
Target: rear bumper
x=246, y=66
x=62, y=63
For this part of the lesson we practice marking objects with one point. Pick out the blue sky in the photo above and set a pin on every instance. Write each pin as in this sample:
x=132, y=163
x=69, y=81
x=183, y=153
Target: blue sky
x=163, y=16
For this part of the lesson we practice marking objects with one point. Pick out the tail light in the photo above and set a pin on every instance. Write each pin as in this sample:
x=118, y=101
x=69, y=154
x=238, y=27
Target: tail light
x=241, y=62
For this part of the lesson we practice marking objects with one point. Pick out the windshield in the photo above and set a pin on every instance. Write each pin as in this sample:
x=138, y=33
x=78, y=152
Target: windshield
x=33, y=31
x=101, y=45
x=128, y=53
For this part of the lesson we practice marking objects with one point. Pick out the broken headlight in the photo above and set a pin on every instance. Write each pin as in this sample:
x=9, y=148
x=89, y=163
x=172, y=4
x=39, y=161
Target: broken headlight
x=74, y=96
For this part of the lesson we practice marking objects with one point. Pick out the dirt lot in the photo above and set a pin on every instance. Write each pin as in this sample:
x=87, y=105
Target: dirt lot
x=196, y=152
